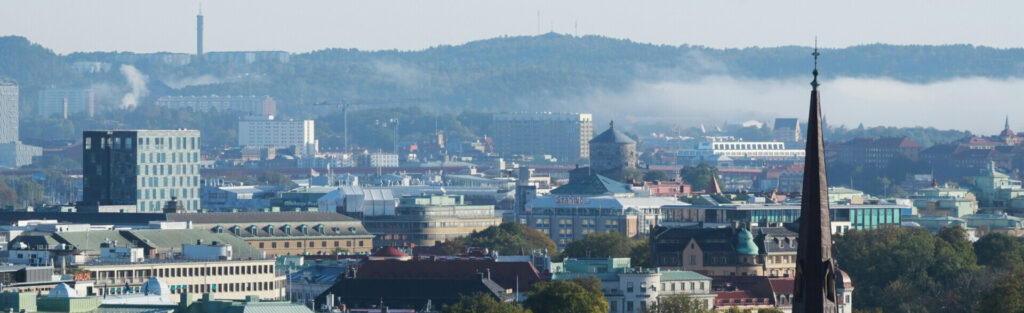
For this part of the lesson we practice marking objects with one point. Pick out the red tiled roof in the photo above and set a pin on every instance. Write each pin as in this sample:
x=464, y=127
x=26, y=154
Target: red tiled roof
x=503, y=273
x=390, y=252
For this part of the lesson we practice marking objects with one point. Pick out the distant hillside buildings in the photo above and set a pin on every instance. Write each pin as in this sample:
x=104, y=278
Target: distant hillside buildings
x=564, y=136
x=251, y=105
x=63, y=102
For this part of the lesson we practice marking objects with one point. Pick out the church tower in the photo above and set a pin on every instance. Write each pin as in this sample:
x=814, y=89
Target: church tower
x=814, y=288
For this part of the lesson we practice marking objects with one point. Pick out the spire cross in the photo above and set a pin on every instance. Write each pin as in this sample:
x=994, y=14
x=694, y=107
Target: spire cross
x=814, y=83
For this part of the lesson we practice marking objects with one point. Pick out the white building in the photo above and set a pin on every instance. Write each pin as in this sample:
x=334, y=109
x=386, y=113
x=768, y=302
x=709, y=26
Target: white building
x=64, y=102
x=708, y=151
x=13, y=153
x=631, y=290
x=378, y=159
x=265, y=131
x=565, y=136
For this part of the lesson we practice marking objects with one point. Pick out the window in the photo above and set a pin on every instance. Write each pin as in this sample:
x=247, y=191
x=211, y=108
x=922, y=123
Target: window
x=286, y=244
x=273, y=245
x=693, y=260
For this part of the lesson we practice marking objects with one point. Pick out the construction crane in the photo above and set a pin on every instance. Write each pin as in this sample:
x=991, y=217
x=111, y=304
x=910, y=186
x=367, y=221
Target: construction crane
x=344, y=105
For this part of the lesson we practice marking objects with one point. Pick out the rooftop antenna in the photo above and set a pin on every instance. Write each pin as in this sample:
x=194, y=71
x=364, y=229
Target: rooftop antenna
x=538, y=22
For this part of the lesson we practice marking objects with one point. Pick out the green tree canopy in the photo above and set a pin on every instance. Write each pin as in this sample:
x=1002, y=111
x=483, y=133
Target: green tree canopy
x=1007, y=295
x=656, y=176
x=698, y=176
x=507, y=239
x=1000, y=251
x=565, y=297
x=610, y=244
x=482, y=303
x=678, y=303
x=901, y=269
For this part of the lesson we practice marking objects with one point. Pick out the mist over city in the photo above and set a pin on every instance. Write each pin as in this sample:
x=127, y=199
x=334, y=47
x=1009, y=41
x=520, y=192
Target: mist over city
x=513, y=156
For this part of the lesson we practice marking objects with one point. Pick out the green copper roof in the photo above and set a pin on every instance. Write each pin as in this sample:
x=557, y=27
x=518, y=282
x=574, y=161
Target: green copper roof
x=682, y=275
x=745, y=243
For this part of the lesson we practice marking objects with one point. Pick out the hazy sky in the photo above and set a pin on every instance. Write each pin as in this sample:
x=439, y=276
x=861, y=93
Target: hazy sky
x=298, y=26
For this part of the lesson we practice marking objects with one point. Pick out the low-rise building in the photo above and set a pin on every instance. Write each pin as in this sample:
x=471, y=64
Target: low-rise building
x=734, y=251
x=629, y=289
x=721, y=210
x=427, y=219
x=592, y=203
x=286, y=233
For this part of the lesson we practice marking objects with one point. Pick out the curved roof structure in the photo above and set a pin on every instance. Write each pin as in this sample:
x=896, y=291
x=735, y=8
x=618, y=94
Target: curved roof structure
x=745, y=243
x=62, y=291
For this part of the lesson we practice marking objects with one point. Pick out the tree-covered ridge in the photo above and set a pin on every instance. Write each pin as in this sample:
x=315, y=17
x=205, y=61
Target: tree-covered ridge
x=505, y=73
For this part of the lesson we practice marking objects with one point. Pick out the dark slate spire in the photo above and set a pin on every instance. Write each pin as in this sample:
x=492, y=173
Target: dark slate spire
x=815, y=288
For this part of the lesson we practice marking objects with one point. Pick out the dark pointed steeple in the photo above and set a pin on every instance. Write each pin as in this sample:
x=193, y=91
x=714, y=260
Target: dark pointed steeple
x=814, y=285
x=1007, y=125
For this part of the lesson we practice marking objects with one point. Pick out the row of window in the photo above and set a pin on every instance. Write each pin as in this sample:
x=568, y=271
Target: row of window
x=187, y=271
x=312, y=244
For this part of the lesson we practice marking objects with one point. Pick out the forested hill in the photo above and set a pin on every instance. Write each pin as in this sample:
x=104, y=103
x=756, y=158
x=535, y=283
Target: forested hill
x=505, y=73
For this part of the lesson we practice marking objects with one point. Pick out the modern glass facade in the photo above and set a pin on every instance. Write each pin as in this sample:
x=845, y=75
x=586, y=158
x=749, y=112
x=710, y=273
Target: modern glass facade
x=145, y=168
x=859, y=216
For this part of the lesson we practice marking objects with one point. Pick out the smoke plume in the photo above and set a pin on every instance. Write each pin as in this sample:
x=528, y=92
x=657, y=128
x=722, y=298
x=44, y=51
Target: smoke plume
x=136, y=84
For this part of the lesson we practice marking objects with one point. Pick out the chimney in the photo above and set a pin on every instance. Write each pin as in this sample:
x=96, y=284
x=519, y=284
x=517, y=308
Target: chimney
x=488, y=273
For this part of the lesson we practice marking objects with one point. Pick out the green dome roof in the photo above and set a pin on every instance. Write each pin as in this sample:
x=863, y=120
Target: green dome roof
x=745, y=243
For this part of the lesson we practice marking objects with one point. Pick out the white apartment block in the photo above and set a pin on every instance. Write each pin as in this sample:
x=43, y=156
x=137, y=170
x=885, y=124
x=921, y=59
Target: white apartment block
x=265, y=131
x=766, y=150
x=65, y=102
x=565, y=136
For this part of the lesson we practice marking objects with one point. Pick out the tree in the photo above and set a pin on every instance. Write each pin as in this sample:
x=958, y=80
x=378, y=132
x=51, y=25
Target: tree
x=640, y=254
x=274, y=179
x=8, y=197
x=591, y=283
x=698, y=176
x=1000, y=250
x=678, y=303
x=652, y=175
x=565, y=297
x=627, y=175
x=507, y=239
x=482, y=303
x=1007, y=295
x=610, y=244
x=909, y=269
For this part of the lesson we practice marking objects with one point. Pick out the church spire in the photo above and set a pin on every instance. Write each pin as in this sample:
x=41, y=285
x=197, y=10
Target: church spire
x=815, y=281
x=1007, y=125
x=814, y=83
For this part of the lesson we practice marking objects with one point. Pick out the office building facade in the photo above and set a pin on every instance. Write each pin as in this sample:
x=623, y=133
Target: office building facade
x=565, y=136
x=265, y=131
x=65, y=102
x=141, y=168
x=8, y=111
x=12, y=152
